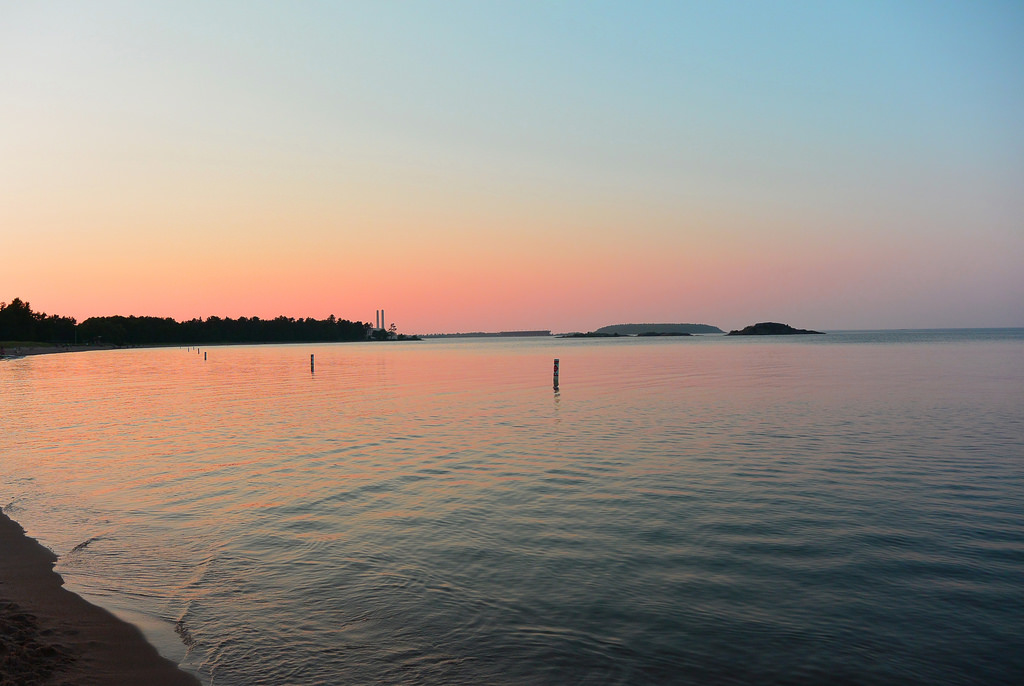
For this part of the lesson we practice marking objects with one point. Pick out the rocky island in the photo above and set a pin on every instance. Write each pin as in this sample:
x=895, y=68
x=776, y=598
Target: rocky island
x=769, y=329
x=655, y=329
x=616, y=330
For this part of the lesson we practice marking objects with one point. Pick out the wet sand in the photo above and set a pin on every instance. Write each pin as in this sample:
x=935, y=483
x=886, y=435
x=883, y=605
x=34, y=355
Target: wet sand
x=49, y=635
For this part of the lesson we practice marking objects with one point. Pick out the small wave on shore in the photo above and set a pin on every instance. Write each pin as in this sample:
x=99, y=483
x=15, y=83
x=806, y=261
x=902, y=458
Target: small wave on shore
x=50, y=635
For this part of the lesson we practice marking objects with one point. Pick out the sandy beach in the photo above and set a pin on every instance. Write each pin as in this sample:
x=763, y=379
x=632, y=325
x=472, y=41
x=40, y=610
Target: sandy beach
x=49, y=635
x=23, y=351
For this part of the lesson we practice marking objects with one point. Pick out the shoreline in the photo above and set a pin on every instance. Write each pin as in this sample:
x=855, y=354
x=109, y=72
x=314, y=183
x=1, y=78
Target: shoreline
x=24, y=351
x=18, y=352
x=49, y=635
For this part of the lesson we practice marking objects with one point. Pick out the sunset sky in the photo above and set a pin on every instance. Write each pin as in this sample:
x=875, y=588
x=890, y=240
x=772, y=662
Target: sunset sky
x=506, y=165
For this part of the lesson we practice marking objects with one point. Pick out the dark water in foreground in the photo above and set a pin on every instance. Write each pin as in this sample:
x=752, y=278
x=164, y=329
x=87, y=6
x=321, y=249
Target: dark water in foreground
x=844, y=509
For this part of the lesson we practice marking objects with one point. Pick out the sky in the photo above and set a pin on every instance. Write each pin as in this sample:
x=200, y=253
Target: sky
x=486, y=166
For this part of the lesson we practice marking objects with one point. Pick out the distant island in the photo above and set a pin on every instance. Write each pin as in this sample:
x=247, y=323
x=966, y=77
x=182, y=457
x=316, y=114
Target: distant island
x=589, y=334
x=490, y=334
x=770, y=329
x=657, y=329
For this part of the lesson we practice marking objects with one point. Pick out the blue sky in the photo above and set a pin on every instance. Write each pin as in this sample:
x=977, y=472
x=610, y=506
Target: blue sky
x=839, y=165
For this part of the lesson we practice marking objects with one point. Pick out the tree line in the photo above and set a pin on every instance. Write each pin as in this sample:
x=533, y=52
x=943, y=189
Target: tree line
x=19, y=323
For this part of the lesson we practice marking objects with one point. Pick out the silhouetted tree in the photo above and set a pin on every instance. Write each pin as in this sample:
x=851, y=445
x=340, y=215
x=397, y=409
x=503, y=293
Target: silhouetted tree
x=19, y=323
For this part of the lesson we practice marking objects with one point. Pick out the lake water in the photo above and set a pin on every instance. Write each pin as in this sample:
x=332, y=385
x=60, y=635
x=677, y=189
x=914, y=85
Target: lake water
x=845, y=508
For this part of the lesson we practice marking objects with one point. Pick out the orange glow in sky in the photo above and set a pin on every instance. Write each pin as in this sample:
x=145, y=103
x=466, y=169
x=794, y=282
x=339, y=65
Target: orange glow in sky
x=516, y=167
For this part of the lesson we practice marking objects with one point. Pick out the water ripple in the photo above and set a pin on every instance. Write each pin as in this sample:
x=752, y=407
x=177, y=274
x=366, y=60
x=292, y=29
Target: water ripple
x=687, y=511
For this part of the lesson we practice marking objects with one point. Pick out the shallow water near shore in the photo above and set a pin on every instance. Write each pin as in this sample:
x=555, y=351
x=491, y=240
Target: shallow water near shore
x=845, y=508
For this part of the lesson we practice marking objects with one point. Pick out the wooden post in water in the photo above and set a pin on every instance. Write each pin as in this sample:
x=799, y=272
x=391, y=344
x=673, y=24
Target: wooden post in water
x=311, y=363
x=556, y=374
x=204, y=357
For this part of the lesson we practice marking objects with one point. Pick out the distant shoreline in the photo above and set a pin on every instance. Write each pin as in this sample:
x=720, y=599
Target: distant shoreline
x=25, y=351
x=15, y=352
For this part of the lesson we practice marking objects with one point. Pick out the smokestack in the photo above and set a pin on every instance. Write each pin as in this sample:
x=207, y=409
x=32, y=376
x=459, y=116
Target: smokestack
x=377, y=320
x=382, y=325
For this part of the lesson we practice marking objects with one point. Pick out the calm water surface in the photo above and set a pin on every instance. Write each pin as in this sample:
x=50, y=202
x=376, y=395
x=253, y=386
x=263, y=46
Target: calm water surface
x=846, y=508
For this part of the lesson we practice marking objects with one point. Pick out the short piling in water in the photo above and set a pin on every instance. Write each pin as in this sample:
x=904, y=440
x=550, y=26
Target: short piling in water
x=556, y=374
x=311, y=362
x=204, y=357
